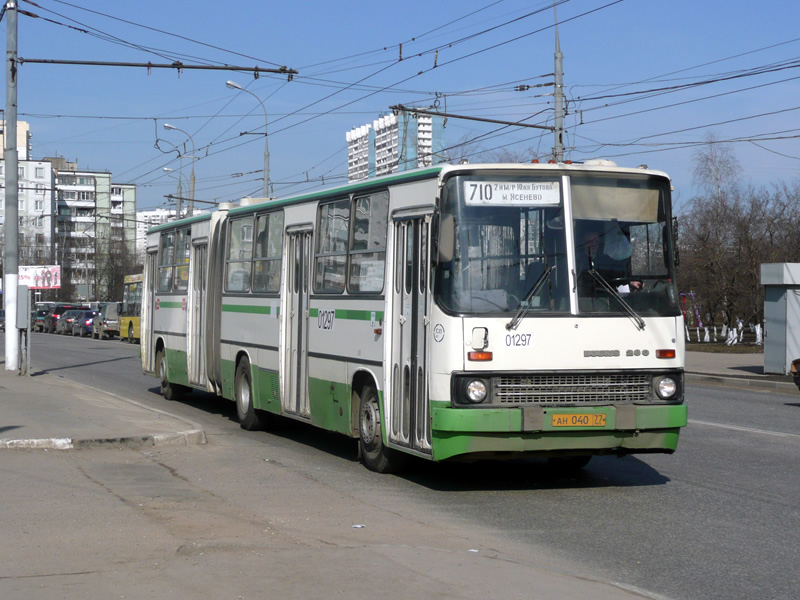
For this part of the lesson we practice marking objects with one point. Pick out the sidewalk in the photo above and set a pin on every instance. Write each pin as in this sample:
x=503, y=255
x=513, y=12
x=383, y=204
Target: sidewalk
x=735, y=369
x=47, y=411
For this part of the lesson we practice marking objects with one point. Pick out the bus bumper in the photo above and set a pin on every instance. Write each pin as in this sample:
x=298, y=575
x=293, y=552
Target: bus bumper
x=627, y=429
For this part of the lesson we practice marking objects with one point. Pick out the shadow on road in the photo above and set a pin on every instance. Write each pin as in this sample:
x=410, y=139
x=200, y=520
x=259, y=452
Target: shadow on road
x=517, y=474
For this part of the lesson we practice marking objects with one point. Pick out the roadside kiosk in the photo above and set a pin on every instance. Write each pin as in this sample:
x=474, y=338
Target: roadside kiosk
x=781, y=283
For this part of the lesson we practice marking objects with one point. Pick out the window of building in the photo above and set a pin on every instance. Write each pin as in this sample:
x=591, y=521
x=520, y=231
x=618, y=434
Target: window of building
x=39, y=205
x=21, y=171
x=39, y=172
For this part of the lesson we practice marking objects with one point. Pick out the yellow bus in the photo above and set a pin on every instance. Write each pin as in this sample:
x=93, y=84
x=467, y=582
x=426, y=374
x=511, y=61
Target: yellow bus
x=129, y=318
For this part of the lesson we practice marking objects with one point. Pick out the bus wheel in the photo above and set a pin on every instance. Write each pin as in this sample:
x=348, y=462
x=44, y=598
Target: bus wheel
x=130, y=333
x=375, y=456
x=248, y=419
x=168, y=390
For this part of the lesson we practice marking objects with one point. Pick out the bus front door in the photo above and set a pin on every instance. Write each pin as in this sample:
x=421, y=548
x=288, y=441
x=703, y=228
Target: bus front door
x=295, y=356
x=409, y=411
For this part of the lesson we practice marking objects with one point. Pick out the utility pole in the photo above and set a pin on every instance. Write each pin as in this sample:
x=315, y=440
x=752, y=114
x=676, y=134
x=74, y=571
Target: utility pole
x=558, y=97
x=11, y=252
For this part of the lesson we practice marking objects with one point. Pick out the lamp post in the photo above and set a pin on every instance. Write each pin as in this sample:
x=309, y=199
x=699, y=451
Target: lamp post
x=235, y=86
x=169, y=127
x=179, y=201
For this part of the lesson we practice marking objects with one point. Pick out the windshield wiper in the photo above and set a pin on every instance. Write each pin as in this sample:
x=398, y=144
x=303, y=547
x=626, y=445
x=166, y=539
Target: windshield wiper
x=614, y=294
x=524, y=306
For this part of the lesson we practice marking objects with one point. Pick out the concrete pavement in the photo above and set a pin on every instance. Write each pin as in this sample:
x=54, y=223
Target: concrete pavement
x=47, y=411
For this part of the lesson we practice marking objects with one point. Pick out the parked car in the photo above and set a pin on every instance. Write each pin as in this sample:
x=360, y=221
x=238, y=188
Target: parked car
x=37, y=324
x=64, y=323
x=106, y=322
x=54, y=314
x=82, y=324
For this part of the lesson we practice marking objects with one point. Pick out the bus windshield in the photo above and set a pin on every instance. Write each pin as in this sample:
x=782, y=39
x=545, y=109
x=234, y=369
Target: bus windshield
x=507, y=234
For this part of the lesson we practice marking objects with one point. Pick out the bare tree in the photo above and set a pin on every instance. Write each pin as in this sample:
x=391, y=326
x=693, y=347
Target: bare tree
x=728, y=231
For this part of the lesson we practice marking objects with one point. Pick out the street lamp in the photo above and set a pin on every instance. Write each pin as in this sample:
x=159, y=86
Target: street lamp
x=235, y=86
x=179, y=201
x=169, y=127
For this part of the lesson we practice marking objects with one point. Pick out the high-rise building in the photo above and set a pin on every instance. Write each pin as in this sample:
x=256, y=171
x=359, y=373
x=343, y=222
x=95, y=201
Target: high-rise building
x=36, y=196
x=79, y=220
x=95, y=233
x=394, y=143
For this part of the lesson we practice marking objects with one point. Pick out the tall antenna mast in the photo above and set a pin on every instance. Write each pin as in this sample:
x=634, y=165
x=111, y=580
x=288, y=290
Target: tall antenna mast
x=558, y=96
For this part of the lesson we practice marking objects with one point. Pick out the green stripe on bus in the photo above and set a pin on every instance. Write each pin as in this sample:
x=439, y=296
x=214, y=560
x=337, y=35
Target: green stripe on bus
x=244, y=308
x=170, y=304
x=351, y=315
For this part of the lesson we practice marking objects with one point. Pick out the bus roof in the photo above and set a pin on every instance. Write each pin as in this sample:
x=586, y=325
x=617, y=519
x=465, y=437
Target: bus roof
x=591, y=166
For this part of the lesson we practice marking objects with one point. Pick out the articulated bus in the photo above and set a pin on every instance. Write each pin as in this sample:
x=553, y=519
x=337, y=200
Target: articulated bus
x=130, y=315
x=451, y=313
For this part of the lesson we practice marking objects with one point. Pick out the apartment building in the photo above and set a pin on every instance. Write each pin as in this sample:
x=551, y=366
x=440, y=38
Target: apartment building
x=394, y=143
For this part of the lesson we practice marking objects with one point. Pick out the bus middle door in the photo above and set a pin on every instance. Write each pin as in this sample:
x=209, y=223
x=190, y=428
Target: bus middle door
x=298, y=275
x=409, y=412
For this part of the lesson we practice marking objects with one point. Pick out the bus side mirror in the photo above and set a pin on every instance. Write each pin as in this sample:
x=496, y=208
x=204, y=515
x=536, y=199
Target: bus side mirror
x=447, y=238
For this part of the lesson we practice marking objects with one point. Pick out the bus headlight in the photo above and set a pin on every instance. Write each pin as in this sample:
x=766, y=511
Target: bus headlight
x=475, y=391
x=666, y=387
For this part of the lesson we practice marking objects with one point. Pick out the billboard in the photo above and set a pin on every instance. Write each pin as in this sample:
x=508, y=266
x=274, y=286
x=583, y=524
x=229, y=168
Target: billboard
x=40, y=277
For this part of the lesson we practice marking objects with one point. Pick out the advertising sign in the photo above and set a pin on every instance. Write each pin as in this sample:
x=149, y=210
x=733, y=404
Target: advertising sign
x=40, y=277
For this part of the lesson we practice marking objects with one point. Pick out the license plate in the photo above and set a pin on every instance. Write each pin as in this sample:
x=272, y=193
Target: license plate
x=579, y=420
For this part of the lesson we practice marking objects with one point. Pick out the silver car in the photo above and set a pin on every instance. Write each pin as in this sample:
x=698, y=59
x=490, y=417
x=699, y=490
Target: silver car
x=106, y=322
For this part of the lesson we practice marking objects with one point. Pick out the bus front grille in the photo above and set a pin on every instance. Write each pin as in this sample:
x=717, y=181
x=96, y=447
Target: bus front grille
x=572, y=388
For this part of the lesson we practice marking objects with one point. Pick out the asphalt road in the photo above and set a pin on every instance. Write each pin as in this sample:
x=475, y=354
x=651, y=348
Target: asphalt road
x=718, y=519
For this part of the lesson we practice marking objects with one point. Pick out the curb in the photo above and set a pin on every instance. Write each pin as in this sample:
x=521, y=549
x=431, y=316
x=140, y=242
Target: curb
x=781, y=386
x=181, y=438
x=195, y=435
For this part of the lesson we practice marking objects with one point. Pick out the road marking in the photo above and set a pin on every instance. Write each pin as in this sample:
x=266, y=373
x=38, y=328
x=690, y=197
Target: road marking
x=745, y=429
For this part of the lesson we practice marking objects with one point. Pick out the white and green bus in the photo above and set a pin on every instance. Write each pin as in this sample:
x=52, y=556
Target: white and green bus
x=450, y=313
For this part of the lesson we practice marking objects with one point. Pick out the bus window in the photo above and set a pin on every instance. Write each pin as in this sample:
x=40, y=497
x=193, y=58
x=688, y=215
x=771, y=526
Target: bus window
x=240, y=255
x=331, y=258
x=269, y=248
x=368, y=246
x=182, y=249
x=166, y=257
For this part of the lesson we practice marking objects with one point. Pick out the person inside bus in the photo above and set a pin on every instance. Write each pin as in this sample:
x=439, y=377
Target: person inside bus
x=607, y=250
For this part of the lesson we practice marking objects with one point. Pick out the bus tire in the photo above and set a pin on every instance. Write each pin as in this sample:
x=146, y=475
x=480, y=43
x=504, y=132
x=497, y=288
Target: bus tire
x=168, y=390
x=374, y=454
x=243, y=391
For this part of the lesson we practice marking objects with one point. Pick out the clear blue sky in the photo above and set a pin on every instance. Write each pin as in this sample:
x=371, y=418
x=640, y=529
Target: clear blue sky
x=645, y=81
